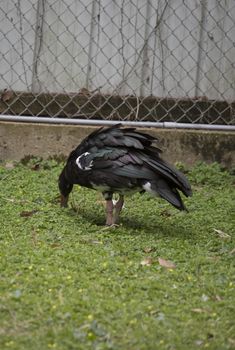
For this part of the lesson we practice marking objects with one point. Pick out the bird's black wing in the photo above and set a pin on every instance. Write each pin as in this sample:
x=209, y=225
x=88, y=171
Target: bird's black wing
x=128, y=153
x=114, y=136
x=138, y=165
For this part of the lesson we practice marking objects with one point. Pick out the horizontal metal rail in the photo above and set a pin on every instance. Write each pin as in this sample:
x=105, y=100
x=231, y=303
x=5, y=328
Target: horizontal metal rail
x=96, y=122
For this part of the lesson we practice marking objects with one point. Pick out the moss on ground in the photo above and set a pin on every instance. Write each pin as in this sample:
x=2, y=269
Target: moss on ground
x=68, y=283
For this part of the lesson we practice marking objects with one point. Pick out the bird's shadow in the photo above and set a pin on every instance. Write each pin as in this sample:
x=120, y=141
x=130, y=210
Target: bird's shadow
x=134, y=225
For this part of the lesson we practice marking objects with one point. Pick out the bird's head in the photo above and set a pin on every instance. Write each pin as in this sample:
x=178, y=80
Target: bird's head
x=65, y=188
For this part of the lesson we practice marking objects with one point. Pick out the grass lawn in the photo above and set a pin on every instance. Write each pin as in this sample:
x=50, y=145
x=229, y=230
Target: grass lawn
x=68, y=283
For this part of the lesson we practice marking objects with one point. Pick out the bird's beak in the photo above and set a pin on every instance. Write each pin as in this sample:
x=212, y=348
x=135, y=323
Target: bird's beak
x=64, y=201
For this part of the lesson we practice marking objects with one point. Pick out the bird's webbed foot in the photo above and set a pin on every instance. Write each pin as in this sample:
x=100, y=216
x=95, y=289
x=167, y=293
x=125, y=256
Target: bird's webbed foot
x=108, y=227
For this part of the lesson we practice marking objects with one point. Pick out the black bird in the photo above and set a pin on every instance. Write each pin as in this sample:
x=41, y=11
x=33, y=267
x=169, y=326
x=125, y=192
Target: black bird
x=121, y=160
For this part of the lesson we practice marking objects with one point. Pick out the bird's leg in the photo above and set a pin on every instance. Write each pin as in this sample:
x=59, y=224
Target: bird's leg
x=109, y=212
x=118, y=207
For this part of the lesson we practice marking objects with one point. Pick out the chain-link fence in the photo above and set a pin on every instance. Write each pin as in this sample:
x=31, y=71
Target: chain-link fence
x=129, y=60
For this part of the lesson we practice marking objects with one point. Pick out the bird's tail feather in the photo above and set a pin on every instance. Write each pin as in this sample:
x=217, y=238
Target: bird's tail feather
x=170, y=173
x=164, y=190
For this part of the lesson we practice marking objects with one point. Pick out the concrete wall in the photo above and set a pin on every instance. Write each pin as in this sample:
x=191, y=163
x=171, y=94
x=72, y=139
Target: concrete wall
x=18, y=140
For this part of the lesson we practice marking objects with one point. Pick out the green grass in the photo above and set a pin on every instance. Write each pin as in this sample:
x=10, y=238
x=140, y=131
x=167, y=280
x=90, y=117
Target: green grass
x=66, y=283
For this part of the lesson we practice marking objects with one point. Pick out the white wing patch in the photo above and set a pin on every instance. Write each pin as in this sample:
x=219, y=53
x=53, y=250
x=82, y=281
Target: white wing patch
x=148, y=188
x=81, y=160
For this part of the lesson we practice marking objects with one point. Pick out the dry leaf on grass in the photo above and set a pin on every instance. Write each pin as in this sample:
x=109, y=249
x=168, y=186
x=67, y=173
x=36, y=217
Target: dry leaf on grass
x=9, y=165
x=26, y=214
x=147, y=261
x=166, y=263
x=148, y=250
x=222, y=234
x=55, y=245
x=200, y=311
